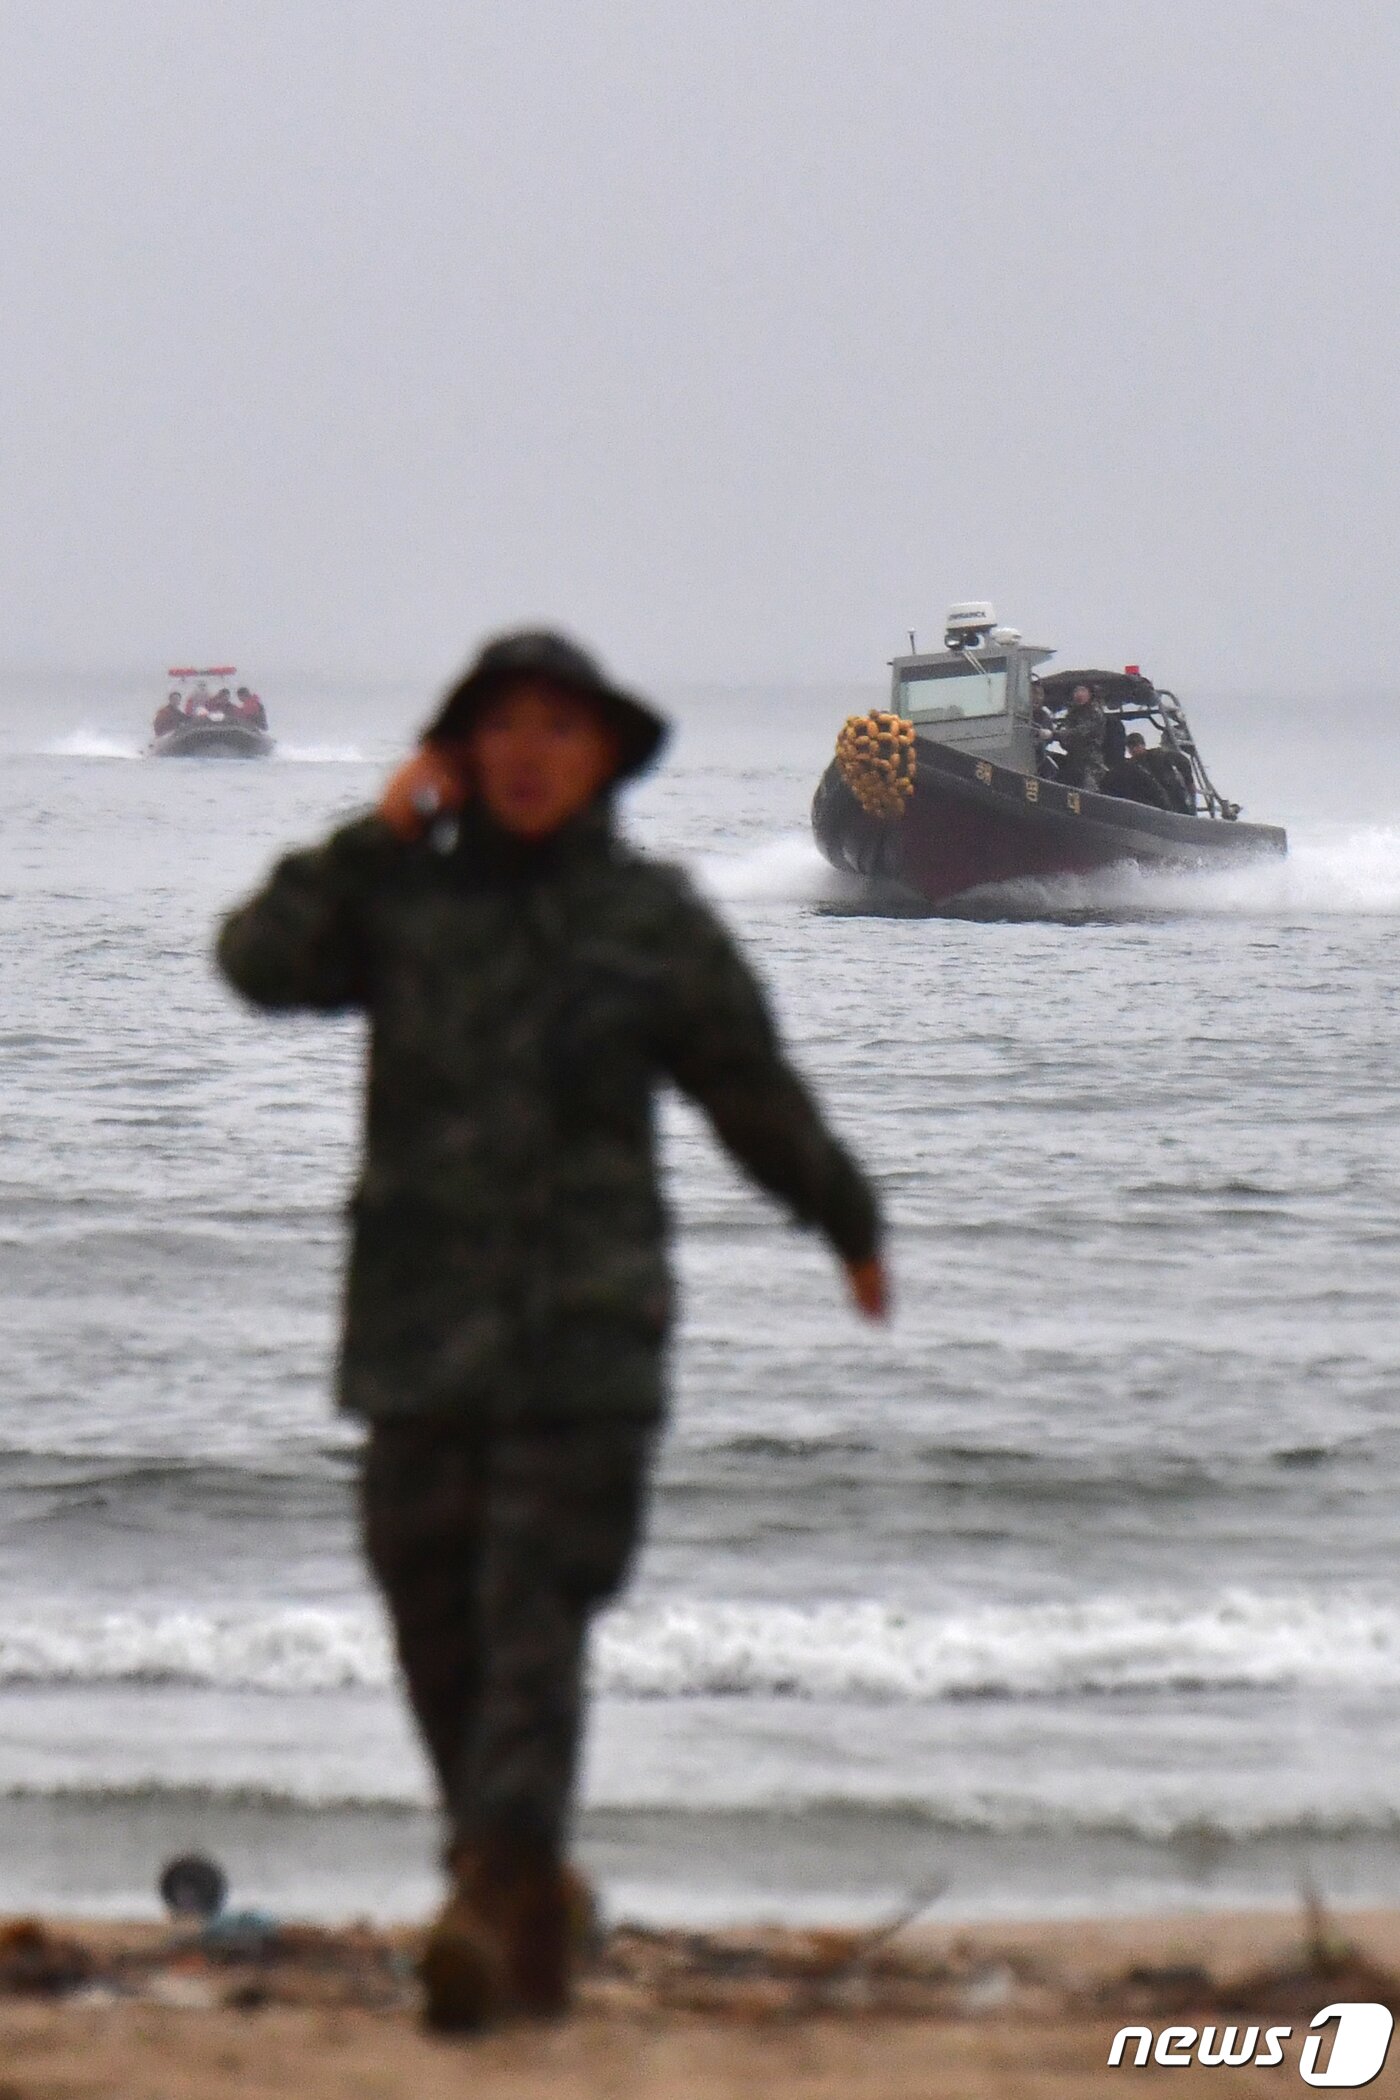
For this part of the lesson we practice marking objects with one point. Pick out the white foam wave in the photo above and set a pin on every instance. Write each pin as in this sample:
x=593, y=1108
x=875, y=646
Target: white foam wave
x=286, y=1649
x=1355, y=871
x=323, y=755
x=786, y=870
x=863, y=1652
x=873, y=1652
x=1348, y=873
x=100, y=743
x=91, y=743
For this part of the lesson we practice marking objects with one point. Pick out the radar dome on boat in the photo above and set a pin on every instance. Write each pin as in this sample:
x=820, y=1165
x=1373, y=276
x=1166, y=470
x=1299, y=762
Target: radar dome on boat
x=968, y=624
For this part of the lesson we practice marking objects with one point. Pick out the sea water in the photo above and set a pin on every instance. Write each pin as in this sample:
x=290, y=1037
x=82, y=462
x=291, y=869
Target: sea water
x=1074, y=1586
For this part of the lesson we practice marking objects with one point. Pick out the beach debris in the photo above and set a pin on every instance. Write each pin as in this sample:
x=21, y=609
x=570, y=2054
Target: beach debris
x=193, y=1886
x=1328, y=1948
x=181, y=1992
x=878, y=1939
x=750, y=1974
x=1326, y=1964
x=278, y=1964
x=778, y=1973
x=240, y=1935
x=36, y=1962
x=1160, y=1987
x=989, y=1989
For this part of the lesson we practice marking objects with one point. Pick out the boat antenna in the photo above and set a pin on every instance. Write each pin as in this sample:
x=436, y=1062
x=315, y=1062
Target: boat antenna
x=913, y=645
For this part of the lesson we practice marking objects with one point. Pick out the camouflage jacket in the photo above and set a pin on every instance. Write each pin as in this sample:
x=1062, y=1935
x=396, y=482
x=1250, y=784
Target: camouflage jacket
x=508, y=1251
x=1082, y=731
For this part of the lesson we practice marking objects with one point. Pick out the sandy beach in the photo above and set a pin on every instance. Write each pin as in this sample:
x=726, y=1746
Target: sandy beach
x=134, y=2014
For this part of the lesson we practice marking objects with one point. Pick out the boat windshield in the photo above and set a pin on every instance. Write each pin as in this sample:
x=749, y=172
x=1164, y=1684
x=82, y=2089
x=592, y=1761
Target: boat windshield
x=961, y=691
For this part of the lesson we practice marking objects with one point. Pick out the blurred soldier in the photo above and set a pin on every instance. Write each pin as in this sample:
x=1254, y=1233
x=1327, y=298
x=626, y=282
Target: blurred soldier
x=1081, y=734
x=529, y=982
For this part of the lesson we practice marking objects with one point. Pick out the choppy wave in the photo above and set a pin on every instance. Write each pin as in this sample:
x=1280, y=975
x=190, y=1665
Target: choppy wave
x=860, y=1653
x=406, y=1792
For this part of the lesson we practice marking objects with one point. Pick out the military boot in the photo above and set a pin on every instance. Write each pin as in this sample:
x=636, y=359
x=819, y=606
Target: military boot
x=464, y=1967
x=507, y=1941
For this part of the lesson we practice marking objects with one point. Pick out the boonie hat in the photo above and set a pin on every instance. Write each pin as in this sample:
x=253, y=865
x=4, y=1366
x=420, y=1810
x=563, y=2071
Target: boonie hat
x=538, y=653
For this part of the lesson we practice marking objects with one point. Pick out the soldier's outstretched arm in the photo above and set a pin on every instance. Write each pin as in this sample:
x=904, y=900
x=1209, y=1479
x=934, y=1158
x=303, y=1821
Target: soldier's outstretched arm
x=299, y=941
x=722, y=1049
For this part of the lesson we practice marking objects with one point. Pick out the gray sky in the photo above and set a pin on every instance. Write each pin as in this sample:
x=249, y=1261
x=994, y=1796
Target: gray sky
x=740, y=335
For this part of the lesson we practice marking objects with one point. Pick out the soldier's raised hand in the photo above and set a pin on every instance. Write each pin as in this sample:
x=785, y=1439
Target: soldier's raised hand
x=424, y=786
x=869, y=1286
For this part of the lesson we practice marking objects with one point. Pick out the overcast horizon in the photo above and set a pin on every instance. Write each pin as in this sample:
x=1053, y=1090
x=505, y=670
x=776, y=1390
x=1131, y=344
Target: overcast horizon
x=739, y=340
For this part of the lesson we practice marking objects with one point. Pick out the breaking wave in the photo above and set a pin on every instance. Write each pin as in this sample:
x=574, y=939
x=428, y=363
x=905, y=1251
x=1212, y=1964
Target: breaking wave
x=859, y=1653
x=286, y=1649
x=870, y=1652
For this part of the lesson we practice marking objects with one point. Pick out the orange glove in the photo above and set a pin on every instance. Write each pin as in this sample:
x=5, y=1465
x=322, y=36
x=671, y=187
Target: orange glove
x=424, y=786
x=869, y=1287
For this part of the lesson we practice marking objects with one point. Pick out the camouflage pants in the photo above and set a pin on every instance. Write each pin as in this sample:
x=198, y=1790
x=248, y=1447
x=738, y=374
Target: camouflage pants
x=1082, y=769
x=493, y=1550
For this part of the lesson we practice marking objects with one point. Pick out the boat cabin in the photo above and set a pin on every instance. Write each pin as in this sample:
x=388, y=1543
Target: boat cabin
x=975, y=693
x=980, y=692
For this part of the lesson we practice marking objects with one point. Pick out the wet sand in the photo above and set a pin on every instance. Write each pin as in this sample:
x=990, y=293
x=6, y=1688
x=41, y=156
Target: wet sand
x=990, y=2013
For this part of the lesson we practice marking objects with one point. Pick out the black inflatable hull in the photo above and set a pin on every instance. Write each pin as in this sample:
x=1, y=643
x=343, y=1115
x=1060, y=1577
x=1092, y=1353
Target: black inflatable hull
x=212, y=740
x=970, y=825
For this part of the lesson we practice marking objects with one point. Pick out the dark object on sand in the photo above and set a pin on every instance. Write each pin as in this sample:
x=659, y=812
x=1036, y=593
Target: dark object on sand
x=194, y=1887
x=956, y=788
x=38, y=1963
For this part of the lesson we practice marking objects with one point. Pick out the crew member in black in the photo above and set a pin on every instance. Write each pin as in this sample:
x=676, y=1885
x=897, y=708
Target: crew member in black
x=1134, y=781
x=1171, y=769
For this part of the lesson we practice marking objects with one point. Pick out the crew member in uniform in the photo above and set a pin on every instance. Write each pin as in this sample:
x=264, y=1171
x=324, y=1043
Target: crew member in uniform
x=1081, y=734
